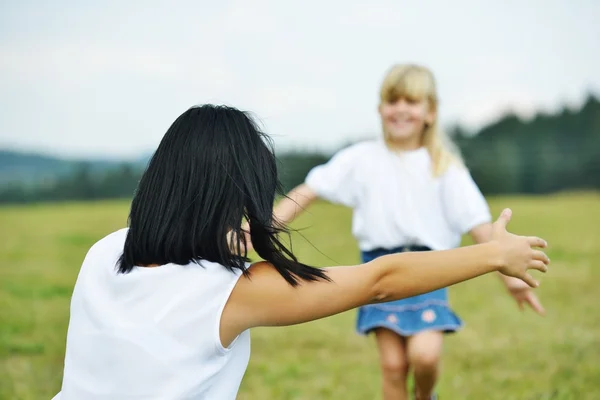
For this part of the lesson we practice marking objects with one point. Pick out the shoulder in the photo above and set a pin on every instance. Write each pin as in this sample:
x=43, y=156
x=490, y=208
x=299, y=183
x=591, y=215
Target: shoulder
x=460, y=181
x=361, y=150
x=365, y=147
x=112, y=238
x=112, y=241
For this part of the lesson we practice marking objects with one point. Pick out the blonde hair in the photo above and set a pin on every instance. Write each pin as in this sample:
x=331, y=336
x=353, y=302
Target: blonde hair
x=415, y=82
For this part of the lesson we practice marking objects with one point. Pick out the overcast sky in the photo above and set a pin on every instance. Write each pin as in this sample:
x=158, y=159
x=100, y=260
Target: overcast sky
x=107, y=78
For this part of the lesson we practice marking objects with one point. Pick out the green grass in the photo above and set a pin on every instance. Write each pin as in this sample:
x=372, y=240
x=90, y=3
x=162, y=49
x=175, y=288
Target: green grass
x=500, y=354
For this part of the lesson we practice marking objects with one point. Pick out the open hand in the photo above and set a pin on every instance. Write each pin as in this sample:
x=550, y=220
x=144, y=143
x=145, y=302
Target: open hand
x=519, y=253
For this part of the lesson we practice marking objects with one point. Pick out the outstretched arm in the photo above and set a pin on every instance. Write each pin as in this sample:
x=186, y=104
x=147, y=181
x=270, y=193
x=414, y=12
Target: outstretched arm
x=294, y=204
x=266, y=299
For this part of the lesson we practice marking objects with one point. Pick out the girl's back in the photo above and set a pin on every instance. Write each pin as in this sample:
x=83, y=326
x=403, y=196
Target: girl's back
x=156, y=328
x=154, y=303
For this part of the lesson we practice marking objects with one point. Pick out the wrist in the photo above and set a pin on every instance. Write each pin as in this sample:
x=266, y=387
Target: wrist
x=496, y=259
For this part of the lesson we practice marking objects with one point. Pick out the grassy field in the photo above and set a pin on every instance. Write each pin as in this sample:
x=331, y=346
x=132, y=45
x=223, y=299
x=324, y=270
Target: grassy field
x=500, y=354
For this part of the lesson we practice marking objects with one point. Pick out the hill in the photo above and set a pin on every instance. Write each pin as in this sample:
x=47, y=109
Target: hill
x=28, y=168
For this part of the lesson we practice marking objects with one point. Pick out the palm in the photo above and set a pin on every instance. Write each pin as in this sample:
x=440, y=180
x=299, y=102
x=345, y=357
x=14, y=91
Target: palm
x=525, y=296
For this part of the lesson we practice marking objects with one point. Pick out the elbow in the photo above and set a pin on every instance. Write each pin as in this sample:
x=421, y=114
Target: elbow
x=393, y=279
x=381, y=291
x=381, y=297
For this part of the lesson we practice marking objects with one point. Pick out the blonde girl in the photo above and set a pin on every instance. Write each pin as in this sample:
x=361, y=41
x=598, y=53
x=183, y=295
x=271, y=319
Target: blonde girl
x=409, y=191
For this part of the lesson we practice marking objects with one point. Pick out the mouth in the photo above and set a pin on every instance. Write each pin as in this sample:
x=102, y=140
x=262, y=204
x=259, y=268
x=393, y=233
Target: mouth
x=400, y=122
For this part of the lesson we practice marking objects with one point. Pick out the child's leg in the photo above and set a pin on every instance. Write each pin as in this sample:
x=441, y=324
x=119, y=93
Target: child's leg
x=394, y=364
x=424, y=351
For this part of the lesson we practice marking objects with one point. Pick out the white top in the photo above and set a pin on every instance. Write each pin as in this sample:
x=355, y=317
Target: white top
x=150, y=334
x=397, y=200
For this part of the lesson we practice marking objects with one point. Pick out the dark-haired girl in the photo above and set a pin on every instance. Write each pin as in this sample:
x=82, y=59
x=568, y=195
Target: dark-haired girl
x=162, y=309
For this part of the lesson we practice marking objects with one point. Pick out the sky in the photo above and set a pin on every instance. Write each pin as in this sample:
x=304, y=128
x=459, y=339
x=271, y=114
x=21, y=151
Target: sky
x=82, y=78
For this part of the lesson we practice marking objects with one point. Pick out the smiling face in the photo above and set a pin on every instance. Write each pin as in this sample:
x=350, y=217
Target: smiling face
x=405, y=119
x=407, y=105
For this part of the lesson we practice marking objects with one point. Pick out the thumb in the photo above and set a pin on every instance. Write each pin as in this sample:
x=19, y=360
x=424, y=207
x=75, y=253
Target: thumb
x=504, y=218
x=535, y=304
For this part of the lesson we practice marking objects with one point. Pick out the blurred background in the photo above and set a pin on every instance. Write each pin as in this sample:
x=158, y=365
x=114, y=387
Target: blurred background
x=87, y=89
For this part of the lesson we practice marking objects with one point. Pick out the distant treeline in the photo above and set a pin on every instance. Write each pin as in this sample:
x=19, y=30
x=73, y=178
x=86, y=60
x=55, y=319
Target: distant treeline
x=547, y=153
x=82, y=184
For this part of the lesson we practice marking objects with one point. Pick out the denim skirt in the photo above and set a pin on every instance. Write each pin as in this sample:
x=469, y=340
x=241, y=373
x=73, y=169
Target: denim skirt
x=406, y=317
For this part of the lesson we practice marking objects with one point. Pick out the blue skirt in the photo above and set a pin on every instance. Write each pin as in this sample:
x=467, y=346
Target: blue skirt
x=406, y=317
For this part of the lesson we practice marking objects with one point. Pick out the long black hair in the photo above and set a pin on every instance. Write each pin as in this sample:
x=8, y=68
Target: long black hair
x=213, y=169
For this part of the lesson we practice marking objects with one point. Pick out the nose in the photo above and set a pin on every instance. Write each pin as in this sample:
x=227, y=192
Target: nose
x=400, y=105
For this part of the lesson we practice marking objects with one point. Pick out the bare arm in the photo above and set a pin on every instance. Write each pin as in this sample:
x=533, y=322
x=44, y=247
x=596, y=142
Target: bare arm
x=265, y=299
x=297, y=200
x=291, y=206
x=482, y=234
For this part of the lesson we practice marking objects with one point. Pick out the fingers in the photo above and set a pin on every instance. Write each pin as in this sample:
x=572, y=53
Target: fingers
x=539, y=265
x=537, y=242
x=528, y=279
x=541, y=256
x=504, y=217
x=535, y=304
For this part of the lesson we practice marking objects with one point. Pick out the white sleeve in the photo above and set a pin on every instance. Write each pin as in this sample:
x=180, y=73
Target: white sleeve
x=336, y=180
x=464, y=204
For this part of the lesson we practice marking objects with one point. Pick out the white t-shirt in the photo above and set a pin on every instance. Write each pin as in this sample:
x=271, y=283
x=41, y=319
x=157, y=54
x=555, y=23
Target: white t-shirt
x=397, y=200
x=150, y=334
